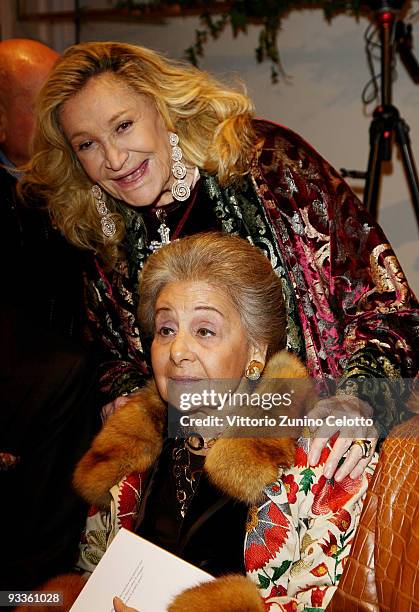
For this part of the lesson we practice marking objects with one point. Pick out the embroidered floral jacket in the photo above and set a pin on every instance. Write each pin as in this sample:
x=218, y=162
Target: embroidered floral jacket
x=350, y=311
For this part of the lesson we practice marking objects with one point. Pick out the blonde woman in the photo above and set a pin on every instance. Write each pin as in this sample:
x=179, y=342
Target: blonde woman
x=134, y=150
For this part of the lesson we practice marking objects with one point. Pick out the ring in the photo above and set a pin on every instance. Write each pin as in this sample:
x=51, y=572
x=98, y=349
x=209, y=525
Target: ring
x=365, y=447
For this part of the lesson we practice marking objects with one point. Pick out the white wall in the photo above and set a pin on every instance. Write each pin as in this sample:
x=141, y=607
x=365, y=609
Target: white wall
x=328, y=70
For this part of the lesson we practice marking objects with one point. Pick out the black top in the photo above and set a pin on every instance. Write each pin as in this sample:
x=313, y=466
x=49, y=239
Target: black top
x=41, y=273
x=210, y=536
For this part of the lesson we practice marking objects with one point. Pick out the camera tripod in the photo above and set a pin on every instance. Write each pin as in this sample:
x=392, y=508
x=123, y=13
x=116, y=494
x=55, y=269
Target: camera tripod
x=387, y=125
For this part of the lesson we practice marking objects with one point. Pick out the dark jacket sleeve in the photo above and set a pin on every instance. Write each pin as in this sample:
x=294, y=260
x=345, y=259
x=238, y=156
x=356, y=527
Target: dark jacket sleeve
x=111, y=307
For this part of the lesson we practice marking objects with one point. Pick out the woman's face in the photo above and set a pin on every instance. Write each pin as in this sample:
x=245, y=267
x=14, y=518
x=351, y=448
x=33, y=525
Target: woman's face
x=198, y=335
x=120, y=140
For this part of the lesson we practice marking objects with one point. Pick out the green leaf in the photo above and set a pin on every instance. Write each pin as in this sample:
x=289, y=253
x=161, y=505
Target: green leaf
x=190, y=55
x=279, y=571
x=264, y=582
x=266, y=14
x=238, y=20
x=307, y=480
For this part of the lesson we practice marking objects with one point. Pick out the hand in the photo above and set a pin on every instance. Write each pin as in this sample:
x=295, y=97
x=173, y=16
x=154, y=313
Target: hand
x=338, y=407
x=113, y=406
x=119, y=606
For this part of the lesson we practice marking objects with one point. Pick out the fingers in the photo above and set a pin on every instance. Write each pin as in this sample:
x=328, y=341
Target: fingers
x=316, y=448
x=124, y=399
x=121, y=401
x=119, y=606
x=359, y=468
x=340, y=407
x=339, y=449
x=352, y=460
x=321, y=410
x=111, y=407
x=106, y=411
x=362, y=464
x=354, y=464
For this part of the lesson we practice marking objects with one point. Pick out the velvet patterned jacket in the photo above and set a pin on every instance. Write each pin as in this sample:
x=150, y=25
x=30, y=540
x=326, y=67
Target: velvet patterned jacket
x=350, y=312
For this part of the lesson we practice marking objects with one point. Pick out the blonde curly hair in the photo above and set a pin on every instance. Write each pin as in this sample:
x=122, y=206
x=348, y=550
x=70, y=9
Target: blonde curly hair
x=213, y=122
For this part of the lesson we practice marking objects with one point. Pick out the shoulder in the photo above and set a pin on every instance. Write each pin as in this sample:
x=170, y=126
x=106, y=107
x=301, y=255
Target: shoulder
x=277, y=134
x=285, y=149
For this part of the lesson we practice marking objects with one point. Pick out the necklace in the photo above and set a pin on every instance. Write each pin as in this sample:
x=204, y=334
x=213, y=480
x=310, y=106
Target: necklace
x=186, y=471
x=161, y=215
x=163, y=230
x=188, y=457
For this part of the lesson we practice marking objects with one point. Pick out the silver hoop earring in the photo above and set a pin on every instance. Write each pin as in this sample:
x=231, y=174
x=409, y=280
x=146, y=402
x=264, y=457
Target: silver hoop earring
x=180, y=188
x=106, y=221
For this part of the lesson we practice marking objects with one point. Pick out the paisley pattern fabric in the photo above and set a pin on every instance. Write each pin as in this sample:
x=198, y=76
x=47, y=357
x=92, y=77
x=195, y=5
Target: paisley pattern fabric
x=350, y=312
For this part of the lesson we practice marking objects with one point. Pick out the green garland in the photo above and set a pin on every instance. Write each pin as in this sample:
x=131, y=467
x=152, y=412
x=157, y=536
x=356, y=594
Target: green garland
x=238, y=14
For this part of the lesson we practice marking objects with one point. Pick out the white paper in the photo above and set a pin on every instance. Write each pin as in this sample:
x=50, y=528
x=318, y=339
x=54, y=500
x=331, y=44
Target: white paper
x=143, y=575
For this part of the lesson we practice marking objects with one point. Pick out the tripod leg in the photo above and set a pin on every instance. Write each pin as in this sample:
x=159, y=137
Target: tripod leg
x=403, y=140
x=373, y=173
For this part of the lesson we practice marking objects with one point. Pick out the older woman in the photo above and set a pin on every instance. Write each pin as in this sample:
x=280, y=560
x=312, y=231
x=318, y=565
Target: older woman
x=213, y=307
x=134, y=150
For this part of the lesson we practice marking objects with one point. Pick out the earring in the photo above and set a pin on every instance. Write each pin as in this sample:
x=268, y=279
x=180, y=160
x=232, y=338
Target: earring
x=254, y=370
x=106, y=221
x=180, y=188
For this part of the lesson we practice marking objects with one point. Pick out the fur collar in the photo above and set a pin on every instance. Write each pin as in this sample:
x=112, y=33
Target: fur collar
x=132, y=438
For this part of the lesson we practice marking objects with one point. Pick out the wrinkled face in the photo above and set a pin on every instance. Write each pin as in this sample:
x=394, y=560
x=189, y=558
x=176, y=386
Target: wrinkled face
x=120, y=140
x=198, y=335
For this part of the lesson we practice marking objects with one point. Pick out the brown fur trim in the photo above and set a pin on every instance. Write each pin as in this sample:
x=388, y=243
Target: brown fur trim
x=242, y=467
x=70, y=585
x=129, y=442
x=228, y=594
x=285, y=365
